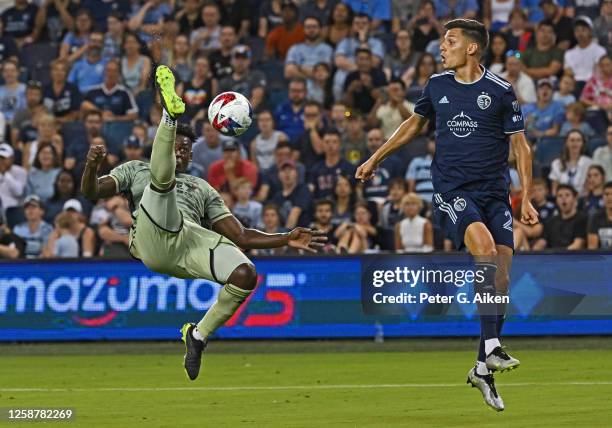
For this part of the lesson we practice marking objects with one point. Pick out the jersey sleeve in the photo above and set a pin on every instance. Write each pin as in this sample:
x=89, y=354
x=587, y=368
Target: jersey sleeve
x=123, y=175
x=424, y=105
x=215, y=208
x=512, y=117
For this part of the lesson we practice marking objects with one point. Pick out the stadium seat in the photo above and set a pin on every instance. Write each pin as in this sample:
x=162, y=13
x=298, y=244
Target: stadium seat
x=14, y=216
x=36, y=58
x=72, y=131
x=385, y=238
x=275, y=75
x=116, y=133
x=598, y=120
x=594, y=143
x=548, y=149
x=258, y=47
x=388, y=40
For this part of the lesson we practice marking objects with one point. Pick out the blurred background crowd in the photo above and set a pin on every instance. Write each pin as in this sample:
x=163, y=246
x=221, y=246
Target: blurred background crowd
x=329, y=82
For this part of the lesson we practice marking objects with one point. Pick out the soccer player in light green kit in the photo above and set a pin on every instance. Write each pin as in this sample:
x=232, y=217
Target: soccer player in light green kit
x=181, y=227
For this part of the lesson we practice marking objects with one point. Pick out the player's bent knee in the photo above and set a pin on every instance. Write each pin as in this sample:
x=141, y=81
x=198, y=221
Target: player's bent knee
x=244, y=276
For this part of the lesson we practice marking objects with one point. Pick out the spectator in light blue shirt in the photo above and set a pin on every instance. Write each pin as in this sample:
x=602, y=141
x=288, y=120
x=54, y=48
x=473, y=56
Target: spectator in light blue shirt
x=89, y=70
x=377, y=10
x=12, y=93
x=451, y=9
x=532, y=8
x=148, y=19
x=544, y=117
x=346, y=51
x=34, y=231
x=302, y=57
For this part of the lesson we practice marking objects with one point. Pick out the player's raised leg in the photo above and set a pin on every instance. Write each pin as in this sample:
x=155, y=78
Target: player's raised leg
x=232, y=268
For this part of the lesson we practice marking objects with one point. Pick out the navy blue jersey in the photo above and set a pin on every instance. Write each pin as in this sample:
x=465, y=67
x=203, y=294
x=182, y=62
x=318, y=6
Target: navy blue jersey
x=473, y=121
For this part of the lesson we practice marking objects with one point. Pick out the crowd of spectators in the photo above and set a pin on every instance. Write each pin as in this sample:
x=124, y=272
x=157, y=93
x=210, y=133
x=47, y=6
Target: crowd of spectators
x=329, y=82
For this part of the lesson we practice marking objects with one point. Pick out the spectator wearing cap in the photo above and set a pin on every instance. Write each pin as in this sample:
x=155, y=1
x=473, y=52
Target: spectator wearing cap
x=189, y=17
x=582, y=58
x=302, y=57
x=293, y=199
x=600, y=224
x=11, y=245
x=377, y=188
x=34, y=231
x=602, y=25
x=284, y=36
x=61, y=98
x=221, y=59
x=263, y=145
x=223, y=173
x=148, y=19
x=62, y=242
x=13, y=178
x=363, y=86
x=597, y=92
x=451, y=9
x=208, y=148
x=562, y=24
x=389, y=113
x=24, y=117
x=290, y=115
x=135, y=67
x=89, y=70
x=270, y=182
x=346, y=51
x=198, y=92
x=84, y=235
x=206, y=38
x=567, y=229
x=74, y=43
x=523, y=85
x=603, y=155
x=323, y=174
x=114, y=101
x=379, y=11
x=544, y=117
x=250, y=83
x=133, y=148
x=113, y=38
x=544, y=59
x=12, y=92
x=237, y=14
x=44, y=170
x=573, y=165
x=19, y=22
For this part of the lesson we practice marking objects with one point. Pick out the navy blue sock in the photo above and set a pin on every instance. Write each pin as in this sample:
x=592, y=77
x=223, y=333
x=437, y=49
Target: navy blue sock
x=481, y=350
x=487, y=311
x=501, y=314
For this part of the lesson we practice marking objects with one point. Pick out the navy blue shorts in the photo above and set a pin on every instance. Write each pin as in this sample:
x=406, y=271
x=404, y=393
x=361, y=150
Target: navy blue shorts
x=455, y=210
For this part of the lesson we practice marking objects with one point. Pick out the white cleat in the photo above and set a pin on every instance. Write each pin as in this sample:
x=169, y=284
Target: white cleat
x=499, y=360
x=486, y=385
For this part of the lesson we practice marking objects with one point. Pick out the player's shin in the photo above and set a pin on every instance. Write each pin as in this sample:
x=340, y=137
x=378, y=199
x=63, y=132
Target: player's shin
x=163, y=158
x=229, y=300
x=487, y=308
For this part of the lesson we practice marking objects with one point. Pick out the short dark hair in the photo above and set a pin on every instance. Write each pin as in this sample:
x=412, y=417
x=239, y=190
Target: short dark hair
x=315, y=18
x=608, y=185
x=472, y=29
x=186, y=131
x=363, y=50
x=92, y=113
x=398, y=81
x=332, y=131
x=324, y=201
x=282, y=145
x=567, y=187
x=546, y=23
x=398, y=181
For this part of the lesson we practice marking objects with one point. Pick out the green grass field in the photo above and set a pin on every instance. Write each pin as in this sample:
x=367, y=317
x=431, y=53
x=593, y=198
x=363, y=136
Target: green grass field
x=401, y=383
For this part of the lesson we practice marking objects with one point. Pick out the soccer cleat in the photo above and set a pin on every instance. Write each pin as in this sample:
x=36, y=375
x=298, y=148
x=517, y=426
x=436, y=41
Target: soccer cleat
x=499, y=360
x=165, y=84
x=193, y=351
x=486, y=385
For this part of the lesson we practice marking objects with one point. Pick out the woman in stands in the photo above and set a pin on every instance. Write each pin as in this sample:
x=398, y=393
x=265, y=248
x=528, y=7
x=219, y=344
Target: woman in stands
x=339, y=25
x=414, y=233
x=344, y=200
x=572, y=166
x=197, y=93
x=357, y=237
x=74, y=44
x=44, y=171
x=135, y=67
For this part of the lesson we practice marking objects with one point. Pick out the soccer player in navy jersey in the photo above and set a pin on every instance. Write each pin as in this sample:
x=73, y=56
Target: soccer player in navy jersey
x=478, y=119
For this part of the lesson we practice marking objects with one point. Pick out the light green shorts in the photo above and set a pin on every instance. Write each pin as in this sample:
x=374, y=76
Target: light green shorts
x=167, y=244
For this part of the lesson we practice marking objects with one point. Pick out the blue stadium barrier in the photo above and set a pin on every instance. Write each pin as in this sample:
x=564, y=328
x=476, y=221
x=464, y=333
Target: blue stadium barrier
x=296, y=297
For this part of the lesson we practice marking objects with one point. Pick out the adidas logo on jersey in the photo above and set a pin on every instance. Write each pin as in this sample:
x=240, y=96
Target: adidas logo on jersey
x=443, y=100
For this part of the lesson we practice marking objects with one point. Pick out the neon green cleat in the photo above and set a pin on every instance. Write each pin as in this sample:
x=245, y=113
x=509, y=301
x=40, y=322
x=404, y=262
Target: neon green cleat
x=193, y=351
x=165, y=85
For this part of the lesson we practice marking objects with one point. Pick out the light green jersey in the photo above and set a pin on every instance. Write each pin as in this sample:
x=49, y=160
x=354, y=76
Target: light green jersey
x=197, y=200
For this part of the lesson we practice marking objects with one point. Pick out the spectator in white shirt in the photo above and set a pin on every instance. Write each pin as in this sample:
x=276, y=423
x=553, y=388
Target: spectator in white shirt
x=521, y=82
x=13, y=178
x=603, y=155
x=582, y=58
x=573, y=164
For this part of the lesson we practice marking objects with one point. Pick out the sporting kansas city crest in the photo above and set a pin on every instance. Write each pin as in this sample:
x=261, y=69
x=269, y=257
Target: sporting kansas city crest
x=483, y=101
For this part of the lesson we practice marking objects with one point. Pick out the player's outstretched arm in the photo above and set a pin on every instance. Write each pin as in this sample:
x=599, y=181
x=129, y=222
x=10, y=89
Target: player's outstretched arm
x=409, y=129
x=300, y=237
x=522, y=153
x=93, y=187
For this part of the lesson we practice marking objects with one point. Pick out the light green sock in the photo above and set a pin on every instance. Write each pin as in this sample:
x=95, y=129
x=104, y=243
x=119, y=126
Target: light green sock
x=163, y=158
x=229, y=300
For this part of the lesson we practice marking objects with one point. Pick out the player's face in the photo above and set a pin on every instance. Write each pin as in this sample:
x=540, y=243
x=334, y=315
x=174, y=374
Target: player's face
x=182, y=148
x=454, y=49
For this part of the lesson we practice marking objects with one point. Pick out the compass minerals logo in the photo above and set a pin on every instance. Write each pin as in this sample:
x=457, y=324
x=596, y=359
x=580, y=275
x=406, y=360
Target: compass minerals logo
x=462, y=125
